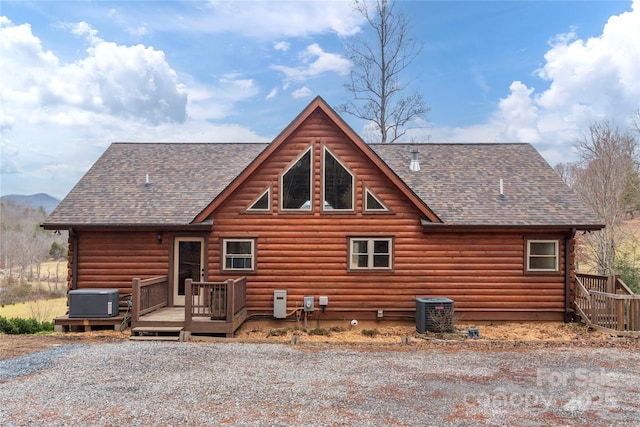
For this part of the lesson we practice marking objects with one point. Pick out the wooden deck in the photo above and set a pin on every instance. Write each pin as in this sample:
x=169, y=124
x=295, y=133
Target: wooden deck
x=211, y=308
x=175, y=317
x=81, y=324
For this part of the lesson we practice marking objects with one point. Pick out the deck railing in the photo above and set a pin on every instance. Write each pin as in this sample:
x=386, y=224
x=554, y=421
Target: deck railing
x=613, y=311
x=218, y=301
x=612, y=285
x=148, y=295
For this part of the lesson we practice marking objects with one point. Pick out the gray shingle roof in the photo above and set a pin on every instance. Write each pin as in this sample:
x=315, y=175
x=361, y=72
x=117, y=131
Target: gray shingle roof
x=459, y=182
x=183, y=179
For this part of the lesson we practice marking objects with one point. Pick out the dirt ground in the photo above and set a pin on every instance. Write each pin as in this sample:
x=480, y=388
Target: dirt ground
x=365, y=334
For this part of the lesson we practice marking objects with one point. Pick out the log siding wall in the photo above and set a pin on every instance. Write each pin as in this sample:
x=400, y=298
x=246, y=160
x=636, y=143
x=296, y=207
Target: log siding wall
x=111, y=259
x=306, y=252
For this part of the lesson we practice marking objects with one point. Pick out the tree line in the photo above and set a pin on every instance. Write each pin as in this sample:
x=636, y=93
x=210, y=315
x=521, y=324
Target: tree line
x=24, y=246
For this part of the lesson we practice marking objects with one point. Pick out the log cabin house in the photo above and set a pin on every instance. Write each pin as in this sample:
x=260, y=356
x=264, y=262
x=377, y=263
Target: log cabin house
x=318, y=212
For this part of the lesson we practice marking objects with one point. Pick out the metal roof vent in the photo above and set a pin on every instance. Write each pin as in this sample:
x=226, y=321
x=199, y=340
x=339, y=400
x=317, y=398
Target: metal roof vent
x=414, y=165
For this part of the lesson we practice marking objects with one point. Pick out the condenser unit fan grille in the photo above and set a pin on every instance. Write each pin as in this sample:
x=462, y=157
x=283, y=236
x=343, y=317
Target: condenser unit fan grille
x=434, y=315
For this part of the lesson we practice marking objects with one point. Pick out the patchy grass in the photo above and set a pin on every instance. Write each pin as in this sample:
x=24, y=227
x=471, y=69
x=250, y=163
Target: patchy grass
x=277, y=333
x=41, y=310
x=370, y=332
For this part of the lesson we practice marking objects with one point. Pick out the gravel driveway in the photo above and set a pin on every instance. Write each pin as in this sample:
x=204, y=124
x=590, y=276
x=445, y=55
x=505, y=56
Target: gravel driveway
x=193, y=384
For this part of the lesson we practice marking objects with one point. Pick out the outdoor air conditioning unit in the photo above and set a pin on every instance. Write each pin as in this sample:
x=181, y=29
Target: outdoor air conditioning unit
x=94, y=303
x=434, y=315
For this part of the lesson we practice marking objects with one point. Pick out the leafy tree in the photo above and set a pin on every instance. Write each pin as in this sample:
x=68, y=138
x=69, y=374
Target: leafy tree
x=58, y=250
x=379, y=95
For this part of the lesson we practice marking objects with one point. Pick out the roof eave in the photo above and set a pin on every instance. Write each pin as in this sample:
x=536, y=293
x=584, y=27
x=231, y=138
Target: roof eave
x=450, y=226
x=129, y=226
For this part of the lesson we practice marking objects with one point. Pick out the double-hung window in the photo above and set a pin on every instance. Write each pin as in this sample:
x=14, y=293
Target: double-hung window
x=542, y=255
x=370, y=253
x=239, y=254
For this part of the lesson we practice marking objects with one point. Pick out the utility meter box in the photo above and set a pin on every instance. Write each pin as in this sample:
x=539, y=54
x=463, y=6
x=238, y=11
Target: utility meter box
x=92, y=303
x=280, y=304
x=308, y=304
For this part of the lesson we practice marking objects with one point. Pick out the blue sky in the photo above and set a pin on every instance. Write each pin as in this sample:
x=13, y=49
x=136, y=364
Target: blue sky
x=77, y=76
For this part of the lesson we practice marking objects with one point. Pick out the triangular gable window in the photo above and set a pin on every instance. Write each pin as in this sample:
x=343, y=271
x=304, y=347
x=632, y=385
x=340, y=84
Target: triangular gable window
x=262, y=203
x=372, y=203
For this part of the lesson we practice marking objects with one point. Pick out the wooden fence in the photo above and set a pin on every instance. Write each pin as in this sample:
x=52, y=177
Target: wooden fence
x=617, y=311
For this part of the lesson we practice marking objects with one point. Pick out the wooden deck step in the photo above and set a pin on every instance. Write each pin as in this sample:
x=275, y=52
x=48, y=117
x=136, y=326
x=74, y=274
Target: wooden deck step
x=158, y=333
x=154, y=338
x=158, y=329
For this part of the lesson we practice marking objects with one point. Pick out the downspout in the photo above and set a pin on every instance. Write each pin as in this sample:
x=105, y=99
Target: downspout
x=568, y=311
x=74, y=259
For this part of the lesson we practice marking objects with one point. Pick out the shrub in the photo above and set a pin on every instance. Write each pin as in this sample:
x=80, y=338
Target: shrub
x=625, y=266
x=17, y=325
x=277, y=333
x=370, y=332
x=319, y=331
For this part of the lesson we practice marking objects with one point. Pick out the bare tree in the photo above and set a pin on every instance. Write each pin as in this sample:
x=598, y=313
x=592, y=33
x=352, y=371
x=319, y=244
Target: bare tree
x=567, y=172
x=607, y=161
x=635, y=121
x=378, y=93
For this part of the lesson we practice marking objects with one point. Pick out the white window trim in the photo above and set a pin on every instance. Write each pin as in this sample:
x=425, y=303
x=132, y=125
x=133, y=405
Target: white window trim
x=254, y=201
x=367, y=193
x=297, y=159
x=353, y=181
x=556, y=255
x=370, y=244
x=225, y=255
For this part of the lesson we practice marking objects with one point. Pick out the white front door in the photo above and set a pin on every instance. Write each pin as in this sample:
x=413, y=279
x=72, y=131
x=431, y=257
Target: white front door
x=188, y=263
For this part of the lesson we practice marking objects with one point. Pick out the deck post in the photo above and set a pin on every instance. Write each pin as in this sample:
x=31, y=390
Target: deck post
x=188, y=301
x=634, y=314
x=135, y=290
x=620, y=303
x=231, y=297
x=611, y=285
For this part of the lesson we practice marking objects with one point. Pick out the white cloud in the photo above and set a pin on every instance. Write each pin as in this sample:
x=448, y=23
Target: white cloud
x=272, y=94
x=125, y=81
x=587, y=81
x=315, y=62
x=519, y=114
x=282, y=45
x=141, y=30
x=303, y=92
x=8, y=161
x=57, y=118
x=270, y=19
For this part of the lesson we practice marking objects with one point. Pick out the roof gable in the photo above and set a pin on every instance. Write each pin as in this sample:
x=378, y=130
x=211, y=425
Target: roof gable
x=317, y=104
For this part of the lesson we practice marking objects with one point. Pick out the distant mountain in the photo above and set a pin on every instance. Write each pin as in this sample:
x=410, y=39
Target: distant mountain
x=34, y=201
